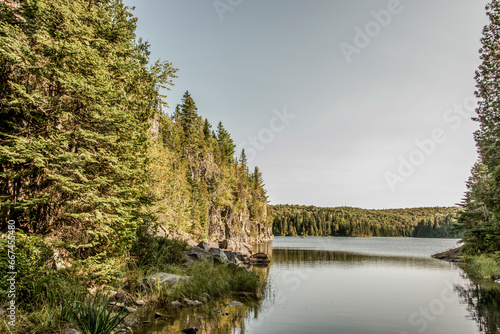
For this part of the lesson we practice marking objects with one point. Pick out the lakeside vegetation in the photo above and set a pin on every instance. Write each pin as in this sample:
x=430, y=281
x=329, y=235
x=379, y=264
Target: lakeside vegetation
x=296, y=220
x=480, y=217
x=90, y=160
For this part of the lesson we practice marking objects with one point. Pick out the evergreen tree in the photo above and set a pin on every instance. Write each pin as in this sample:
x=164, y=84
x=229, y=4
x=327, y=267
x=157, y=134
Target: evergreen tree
x=226, y=144
x=189, y=119
x=480, y=218
x=76, y=100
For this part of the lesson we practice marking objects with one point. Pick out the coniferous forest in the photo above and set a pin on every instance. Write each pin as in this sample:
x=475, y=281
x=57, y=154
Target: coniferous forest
x=89, y=154
x=93, y=163
x=296, y=220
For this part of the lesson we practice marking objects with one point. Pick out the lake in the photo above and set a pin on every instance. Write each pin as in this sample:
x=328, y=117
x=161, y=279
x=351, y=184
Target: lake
x=354, y=286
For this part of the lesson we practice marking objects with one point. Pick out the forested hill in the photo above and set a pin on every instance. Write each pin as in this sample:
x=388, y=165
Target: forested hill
x=295, y=220
x=89, y=154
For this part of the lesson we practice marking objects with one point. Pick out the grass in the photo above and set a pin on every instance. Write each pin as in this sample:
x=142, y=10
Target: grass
x=214, y=280
x=49, y=300
x=91, y=314
x=485, y=266
x=153, y=255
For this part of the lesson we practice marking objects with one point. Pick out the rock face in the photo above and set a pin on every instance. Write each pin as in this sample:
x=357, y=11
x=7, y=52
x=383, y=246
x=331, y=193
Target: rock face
x=217, y=255
x=235, y=232
x=229, y=232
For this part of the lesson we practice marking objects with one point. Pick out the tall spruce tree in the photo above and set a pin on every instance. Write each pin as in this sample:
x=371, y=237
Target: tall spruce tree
x=480, y=218
x=190, y=120
x=76, y=100
x=226, y=143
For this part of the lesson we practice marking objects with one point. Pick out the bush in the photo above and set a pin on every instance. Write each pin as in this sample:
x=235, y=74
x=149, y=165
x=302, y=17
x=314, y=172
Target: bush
x=157, y=252
x=483, y=266
x=91, y=314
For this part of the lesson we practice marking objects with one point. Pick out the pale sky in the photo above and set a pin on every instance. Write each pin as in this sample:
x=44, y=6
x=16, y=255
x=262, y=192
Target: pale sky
x=329, y=97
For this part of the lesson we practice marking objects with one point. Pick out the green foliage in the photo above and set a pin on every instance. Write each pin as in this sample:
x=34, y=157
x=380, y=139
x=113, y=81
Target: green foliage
x=157, y=252
x=91, y=314
x=480, y=219
x=483, y=266
x=76, y=101
x=214, y=280
x=195, y=174
x=34, y=266
x=293, y=220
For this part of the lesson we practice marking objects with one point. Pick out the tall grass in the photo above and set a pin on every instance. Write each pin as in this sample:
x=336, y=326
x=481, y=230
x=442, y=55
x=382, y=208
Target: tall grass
x=212, y=279
x=91, y=314
x=483, y=266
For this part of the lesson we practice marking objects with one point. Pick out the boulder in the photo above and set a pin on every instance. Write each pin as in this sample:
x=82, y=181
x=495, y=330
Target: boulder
x=219, y=255
x=198, y=253
x=164, y=279
x=236, y=246
x=118, y=297
x=70, y=331
x=233, y=256
x=176, y=304
x=203, y=245
x=259, y=259
x=192, y=303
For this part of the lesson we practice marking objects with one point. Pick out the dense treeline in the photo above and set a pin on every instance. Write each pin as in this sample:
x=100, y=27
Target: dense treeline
x=196, y=173
x=480, y=218
x=88, y=156
x=295, y=220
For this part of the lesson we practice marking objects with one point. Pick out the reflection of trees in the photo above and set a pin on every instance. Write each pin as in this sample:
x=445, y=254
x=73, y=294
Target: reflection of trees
x=205, y=318
x=322, y=257
x=483, y=304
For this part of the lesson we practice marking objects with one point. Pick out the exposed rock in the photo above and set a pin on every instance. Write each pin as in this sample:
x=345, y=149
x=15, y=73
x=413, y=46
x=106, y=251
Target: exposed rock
x=159, y=315
x=199, y=254
x=140, y=302
x=234, y=257
x=176, y=304
x=117, y=304
x=452, y=255
x=131, y=309
x=204, y=245
x=259, y=259
x=119, y=297
x=235, y=303
x=236, y=246
x=192, y=303
x=70, y=331
x=176, y=235
x=162, y=279
x=219, y=255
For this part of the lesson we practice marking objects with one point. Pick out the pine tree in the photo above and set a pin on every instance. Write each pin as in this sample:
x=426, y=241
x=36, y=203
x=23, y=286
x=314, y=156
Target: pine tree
x=226, y=144
x=482, y=231
x=189, y=119
x=76, y=100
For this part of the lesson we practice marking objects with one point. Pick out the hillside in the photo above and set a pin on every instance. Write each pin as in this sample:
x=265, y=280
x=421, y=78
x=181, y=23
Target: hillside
x=293, y=220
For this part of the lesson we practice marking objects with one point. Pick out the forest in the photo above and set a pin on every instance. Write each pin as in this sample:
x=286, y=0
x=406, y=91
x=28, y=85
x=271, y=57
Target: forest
x=296, y=220
x=91, y=156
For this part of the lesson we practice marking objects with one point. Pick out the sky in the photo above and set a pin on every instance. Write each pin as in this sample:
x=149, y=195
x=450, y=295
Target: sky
x=363, y=103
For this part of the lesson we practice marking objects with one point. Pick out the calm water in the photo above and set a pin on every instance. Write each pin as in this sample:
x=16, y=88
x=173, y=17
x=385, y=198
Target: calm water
x=354, y=286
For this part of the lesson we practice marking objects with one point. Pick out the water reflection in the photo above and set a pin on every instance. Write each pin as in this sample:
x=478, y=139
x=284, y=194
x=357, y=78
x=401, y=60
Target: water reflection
x=483, y=304
x=325, y=291
x=322, y=258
